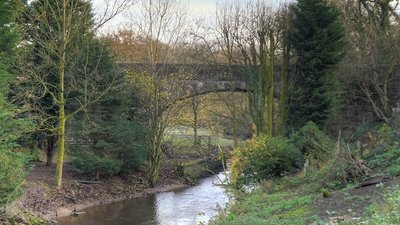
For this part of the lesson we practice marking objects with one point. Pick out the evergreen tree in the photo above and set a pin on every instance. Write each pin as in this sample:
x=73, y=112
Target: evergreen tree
x=12, y=169
x=43, y=60
x=8, y=36
x=111, y=142
x=64, y=73
x=318, y=38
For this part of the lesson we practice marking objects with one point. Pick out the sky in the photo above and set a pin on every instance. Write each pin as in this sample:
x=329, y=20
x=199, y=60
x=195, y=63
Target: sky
x=204, y=9
x=202, y=6
x=197, y=8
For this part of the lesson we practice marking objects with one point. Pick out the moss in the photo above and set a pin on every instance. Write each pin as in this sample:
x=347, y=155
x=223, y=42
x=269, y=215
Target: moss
x=325, y=193
x=23, y=218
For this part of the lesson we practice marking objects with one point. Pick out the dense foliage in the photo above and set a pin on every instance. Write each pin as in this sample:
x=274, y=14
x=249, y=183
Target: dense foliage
x=264, y=157
x=314, y=144
x=12, y=166
x=384, y=153
x=38, y=86
x=318, y=40
x=118, y=146
x=8, y=35
x=110, y=142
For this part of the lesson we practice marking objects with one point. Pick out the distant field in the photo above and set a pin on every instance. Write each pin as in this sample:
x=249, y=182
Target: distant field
x=183, y=136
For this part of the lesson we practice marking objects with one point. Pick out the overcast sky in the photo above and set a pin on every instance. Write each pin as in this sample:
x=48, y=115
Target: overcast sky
x=197, y=8
x=204, y=9
x=202, y=6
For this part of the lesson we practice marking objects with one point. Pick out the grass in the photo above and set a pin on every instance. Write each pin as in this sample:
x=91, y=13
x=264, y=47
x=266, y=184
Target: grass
x=260, y=207
x=288, y=201
x=183, y=136
x=387, y=212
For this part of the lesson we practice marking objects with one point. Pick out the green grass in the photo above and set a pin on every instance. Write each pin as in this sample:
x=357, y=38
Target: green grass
x=387, y=212
x=291, y=205
x=183, y=136
x=268, y=209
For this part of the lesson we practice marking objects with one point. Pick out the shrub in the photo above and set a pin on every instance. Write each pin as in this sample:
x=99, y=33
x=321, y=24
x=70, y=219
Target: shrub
x=91, y=164
x=264, y=157
x=314, y=144
x=116, y=146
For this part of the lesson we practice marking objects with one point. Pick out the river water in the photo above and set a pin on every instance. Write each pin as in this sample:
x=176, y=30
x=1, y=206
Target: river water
x=186, y=206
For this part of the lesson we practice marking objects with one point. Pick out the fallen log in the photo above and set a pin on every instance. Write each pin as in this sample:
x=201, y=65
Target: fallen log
x=372, y=181
x=89, y=182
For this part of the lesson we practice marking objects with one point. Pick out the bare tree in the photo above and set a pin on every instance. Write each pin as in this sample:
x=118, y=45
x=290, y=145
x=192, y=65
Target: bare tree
x=250, y=36
x=374, y=37
x=162, y=25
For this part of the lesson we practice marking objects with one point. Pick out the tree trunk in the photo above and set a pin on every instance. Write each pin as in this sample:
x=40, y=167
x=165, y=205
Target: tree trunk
x=195, y=120
x=262, y=87
x=271, y=79
x=50, y=141
x=283, y=95
x=61, y=100
x=61, y=148
x=235, y=127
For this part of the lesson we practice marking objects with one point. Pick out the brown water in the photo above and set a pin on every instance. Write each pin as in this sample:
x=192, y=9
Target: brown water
x=187, y=206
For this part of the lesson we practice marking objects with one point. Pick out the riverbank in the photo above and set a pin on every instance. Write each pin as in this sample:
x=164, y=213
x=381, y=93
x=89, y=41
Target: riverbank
x=287, y=201
x=41, y=197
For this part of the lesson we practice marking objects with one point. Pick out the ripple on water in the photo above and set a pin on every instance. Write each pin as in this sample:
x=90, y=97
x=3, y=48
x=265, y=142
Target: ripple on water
x=187, y=206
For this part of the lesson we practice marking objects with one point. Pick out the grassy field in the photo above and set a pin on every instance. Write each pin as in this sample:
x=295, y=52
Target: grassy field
x=183, y=136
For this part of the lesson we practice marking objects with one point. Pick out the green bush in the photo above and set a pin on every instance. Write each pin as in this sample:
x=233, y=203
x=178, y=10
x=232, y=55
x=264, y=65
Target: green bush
x=131, y=141
x=89, y=163
x=115, y=147
x=264, y=157
x=313, y=143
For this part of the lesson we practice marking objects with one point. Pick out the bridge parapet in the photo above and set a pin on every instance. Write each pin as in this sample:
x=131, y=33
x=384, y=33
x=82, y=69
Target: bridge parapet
x=217, y=72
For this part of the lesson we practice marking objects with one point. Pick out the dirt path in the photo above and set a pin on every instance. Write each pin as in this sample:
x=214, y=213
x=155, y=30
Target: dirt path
x=43, y=198
x=351, y=205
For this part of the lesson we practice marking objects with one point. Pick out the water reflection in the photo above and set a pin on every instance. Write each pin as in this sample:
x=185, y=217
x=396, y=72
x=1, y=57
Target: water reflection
x=187, y=206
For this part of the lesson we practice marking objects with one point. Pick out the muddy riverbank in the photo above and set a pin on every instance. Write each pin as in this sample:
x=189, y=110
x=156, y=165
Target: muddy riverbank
x=44, y=199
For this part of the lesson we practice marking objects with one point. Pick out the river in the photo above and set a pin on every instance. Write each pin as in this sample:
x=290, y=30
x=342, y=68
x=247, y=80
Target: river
x=187, y=206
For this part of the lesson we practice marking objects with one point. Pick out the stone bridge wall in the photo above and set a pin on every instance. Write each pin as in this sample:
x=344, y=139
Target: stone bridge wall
x=218, y=78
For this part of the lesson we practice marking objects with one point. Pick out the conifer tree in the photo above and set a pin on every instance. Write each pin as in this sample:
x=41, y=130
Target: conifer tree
x=12, y=170
x=318, y=38
x=64, y=74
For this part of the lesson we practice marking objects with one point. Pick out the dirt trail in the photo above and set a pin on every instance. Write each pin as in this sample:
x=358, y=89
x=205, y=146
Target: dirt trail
x=351, y=205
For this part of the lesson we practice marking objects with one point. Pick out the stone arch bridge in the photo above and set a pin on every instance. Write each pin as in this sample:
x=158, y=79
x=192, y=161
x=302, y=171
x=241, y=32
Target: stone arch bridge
x=204, y=79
